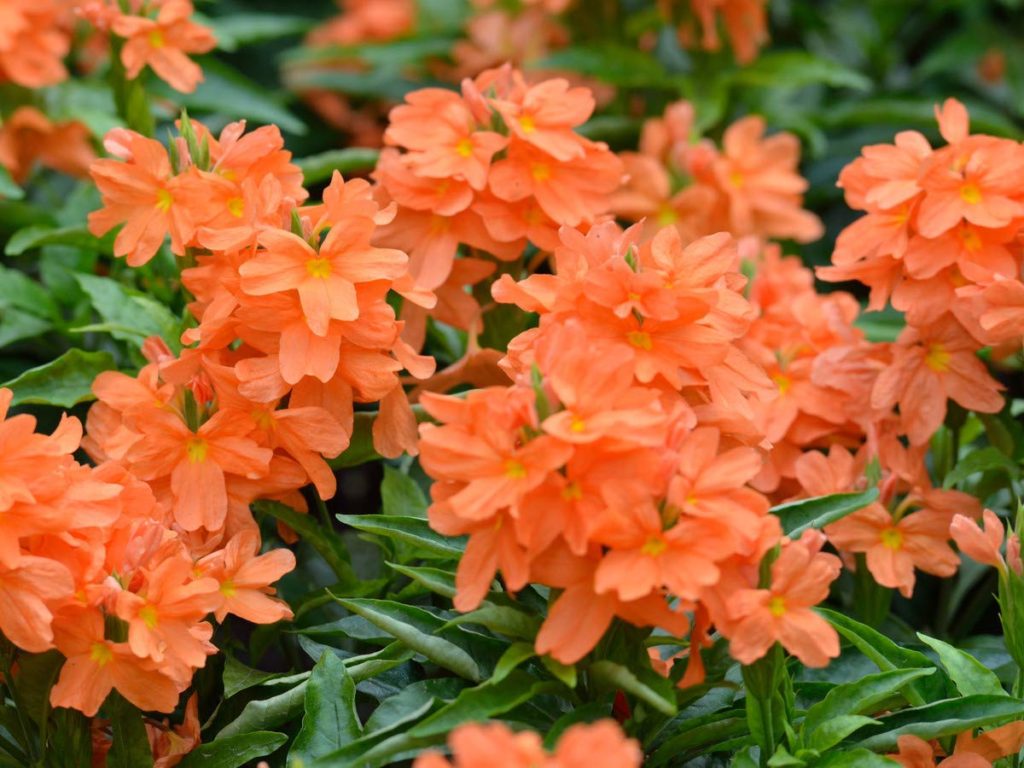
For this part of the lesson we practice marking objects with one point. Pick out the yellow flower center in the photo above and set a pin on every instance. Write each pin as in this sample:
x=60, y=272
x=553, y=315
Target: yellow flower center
x=319, y=268
x=101, y=654
x=777, y=606
x=640, y=340
x=654, y=546
x=514, y=470
x=196, y=450
x=892, y=538
x=228, y=588
x=236, y=207
x=263, y=419
x=970, y=193
x=970, y=240
x=163, y=200
x=149, y=617
x=527, y=124
x=667, y=216
x=577, y=424
x=937, y=358
x=156, y=39
x=572, y=492
x=736, y=179
x=541, y=171
x=783, y=382
x=464, y=148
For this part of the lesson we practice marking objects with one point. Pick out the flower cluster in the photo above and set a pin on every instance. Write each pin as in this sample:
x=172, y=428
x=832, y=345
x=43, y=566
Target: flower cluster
x=823, y=437
x=91, y=563
x=293, y=326
x=751, y=186
x=599, y=745
x=939, y=238
x=615, y=468
x=493, y=167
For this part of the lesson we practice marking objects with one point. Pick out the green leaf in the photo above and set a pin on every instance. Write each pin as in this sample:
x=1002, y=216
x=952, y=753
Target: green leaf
x=799, y=68
x=799, y=516
x=942, y=718
x=698, y=734
x=982, y=460
x=435, y=579
x=238, y=29
x=320, y=168
x=225, y=91
x=328, y=544
x=886, y=655
x=968, y=674
x=130, y=747
x=408, y=704
x=261, y=714
x=234, y=751
x=37, y=672
x=412, y=530
x=401, y=495
x=330, y=719
x=855, y=698
x=16, y=325
x=130, y=316
x=616, y=64
x=565, y=673
x=9, y=188
x=516, y=654
x=482, y=702
x=835, y=729
x=237, y=677
x=19, y=290
x=647, y=686
x=63, y=382
x=37, y=236
x=502, y=619
x=417, y=629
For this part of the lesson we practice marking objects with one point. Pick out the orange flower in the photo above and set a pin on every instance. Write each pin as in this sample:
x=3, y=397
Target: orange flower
x=145, y=195
x=28, y=137
x=983, y=546
x=758, y=176
x=643, y=556
x=164, y=612
x=439, y=132
x=245, y=578
x=593, y=745
x=971, y=179
x=895, y=547
x=162, y=43
x=782, y=613
x=915, y=752
x=33, y=42
x=930, y=365
x=95, y=666
x=484, y=453
x=325, y=279
x=745, y=21
x=710, y=484
x=196, y=462
x=28, y=593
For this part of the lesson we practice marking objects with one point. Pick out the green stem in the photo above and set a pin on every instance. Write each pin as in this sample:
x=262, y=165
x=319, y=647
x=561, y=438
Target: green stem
x=871, y=601
x=767, y=706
